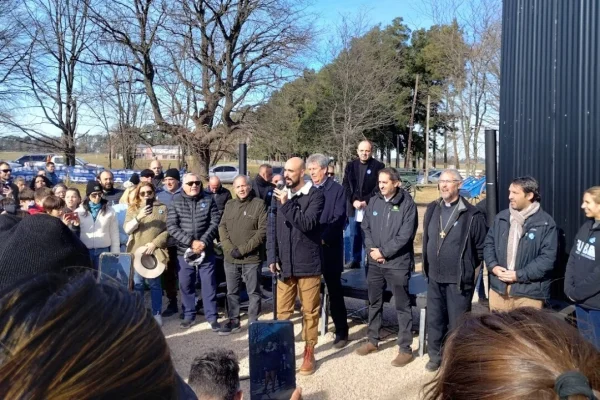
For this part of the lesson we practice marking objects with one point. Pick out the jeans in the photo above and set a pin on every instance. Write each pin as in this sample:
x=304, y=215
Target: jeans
x=251, y=276
x=446, y=304
x=397, y=280
x=95, y=255
x=188, y=276
x=588, y=324
x=155, y=291
x=353, y=242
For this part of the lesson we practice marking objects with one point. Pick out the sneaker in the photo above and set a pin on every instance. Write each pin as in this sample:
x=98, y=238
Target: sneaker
x=340, y=342
x=402, y=359
x=186, y=323
x=366, y=349
x=158, y=319
x=171, y=309
x=215, y=326
x=232, y=326
x=432, y=366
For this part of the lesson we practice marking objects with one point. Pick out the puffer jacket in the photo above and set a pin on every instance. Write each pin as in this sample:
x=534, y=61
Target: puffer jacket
x=243, y=226
x=103, y=232
x=193, y=218
x=391, y=227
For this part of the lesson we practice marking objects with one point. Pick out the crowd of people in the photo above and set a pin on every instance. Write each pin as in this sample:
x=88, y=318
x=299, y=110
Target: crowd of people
x=296, y=227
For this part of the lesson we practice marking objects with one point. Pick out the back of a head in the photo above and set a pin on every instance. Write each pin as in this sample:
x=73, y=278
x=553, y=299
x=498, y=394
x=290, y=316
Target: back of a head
x=215, y=375
x=80, y=339
x=513, y=356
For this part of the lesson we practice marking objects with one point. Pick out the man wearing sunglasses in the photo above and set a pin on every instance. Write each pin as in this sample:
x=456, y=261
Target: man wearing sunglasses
x=193, y=221
x=8, y=189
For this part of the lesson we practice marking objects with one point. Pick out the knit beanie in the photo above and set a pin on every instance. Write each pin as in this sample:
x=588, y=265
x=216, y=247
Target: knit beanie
x=38, y=244
x=173, y=173
x=92, y=186
x=135, y=178
x=147, y=173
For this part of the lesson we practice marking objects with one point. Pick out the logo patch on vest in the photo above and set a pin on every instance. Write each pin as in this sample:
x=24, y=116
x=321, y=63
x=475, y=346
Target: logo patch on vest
x=395, y=208
x=592, y=240
x=203, y=205
x=586, y=250
x=375, y=213
x=368, y=172
x=531, y=236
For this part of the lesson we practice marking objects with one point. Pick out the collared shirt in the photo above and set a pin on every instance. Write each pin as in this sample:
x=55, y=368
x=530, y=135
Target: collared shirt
x=320, y=185
x=304, y=190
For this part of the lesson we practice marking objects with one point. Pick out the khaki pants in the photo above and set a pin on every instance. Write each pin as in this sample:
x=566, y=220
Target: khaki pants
x=499, y=302
x=309, y=290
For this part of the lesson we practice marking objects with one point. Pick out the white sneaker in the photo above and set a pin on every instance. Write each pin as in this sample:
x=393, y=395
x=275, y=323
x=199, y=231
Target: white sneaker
x=158, y=319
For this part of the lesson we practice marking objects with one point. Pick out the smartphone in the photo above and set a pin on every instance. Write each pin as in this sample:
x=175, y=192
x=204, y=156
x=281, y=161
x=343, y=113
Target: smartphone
x=116, y=268
x=149, y=202
x=72, y=216
x=272, y=360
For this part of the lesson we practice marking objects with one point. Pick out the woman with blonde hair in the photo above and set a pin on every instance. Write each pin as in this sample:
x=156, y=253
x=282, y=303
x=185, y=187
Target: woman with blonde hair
x=146, y=223
x=518, y=355
x=582, y=277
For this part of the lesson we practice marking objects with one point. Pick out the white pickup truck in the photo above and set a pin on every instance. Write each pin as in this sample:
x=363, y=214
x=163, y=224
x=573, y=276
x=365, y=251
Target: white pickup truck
x=39, y=160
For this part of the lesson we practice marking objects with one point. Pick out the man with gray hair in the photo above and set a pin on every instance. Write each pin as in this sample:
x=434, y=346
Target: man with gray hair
x=453, y=239
x=243, y=231
x=333, y=220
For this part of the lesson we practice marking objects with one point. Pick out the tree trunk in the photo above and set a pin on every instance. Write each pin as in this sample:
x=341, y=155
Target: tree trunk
x=456, y=156
x=445, y=148
x=201, y=158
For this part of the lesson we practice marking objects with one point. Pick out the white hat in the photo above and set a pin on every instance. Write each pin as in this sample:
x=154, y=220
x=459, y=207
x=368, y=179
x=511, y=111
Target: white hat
x=147, y=265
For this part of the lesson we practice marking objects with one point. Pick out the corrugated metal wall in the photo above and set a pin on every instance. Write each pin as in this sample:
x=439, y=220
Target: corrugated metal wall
x=550, y=103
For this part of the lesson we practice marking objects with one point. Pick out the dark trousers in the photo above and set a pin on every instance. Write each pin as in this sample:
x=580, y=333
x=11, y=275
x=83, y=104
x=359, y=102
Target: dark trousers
x=446, y=304
x=397, y=280
x=187, y=285
x=170, y=274
x=250, y=273
x=339, y=315
x=588, y=324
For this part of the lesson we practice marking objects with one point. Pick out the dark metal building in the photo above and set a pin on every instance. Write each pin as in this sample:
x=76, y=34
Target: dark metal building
x=550, y=103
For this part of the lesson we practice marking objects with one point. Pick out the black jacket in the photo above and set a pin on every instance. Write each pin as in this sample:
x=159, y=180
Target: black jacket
x=333, y=221
x=113, y=196
x=391, y=227
x=297, y=244
x=220, y=198
x=473, y=232
x=535, y=257
x=263, y=190
x=582, y=277
x=193, y=218
x=351, y=182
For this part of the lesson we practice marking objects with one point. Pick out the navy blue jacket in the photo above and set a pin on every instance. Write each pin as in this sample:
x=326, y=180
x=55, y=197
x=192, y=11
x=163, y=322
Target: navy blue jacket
x=582, y=278
x=333, y=221
x=369, y=187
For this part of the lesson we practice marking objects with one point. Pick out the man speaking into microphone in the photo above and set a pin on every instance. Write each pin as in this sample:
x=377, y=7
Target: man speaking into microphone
x=294, y=254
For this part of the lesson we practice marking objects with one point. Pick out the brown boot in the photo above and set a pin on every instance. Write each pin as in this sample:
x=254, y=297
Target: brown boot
x=366, y=349
x=309, y=363
x=402, y=359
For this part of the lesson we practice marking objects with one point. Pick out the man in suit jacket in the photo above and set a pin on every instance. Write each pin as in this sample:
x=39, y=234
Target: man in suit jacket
x=333, y=220
x=360, y=184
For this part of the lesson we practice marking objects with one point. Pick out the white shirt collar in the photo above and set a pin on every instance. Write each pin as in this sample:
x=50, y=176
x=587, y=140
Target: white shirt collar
x=304, y=190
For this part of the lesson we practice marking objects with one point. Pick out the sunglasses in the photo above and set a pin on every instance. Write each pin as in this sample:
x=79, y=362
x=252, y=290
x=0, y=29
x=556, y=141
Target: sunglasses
x=197, y=183
x=330, y=174
x=150, y=193
x=94, y=195
x=6, y=170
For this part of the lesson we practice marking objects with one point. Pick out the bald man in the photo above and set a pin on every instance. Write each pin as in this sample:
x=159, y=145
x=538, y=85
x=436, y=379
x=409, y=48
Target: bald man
x=360, y=183
x=294, y=255
x=157, y=168
x=219, y=194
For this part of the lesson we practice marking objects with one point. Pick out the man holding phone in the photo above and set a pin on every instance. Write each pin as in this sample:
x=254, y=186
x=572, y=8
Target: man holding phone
x=295, y=254
x=8, y=188
x=193, y=221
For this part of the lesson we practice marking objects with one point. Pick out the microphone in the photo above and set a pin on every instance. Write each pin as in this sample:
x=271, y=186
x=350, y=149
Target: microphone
x=280, y=184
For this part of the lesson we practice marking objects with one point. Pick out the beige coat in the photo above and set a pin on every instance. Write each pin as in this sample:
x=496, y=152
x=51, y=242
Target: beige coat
x=152, y=228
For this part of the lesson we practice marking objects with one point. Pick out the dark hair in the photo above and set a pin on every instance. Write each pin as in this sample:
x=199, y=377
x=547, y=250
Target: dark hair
x=51, y=348
x=86, y=206
x=265, y=166
x=529, y=185
x=53, y=202
x=46, y=180
x=8, y=204
x=215, y=375
x=512, y=355
x=392, y=173
x=49, y=163
x=41, y=193
x=26, y=194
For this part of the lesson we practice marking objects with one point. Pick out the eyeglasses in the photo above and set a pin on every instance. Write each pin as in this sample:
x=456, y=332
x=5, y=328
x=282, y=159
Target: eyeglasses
x=449, y=181
x=145, y=194
x=197, y=183
x=94, y=195
x=6, y=171
x=331, y=174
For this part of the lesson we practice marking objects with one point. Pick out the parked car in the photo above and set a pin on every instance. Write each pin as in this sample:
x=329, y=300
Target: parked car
x=32, y=160
x=39, y=160
x=79, y=162
x=434, y=176
x=226, y=173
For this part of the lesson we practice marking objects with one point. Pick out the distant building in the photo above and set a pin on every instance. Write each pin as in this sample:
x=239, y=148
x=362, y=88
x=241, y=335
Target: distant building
x=160, y=152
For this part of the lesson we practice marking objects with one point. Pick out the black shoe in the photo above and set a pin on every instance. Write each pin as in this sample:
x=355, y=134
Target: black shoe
x=186, y=323
x=215, y=326
x=232, y=326
x=353, y=265
x=432, y=366
x=171, y=309
x=181, y=315
x=340, y=342
x=484, y=302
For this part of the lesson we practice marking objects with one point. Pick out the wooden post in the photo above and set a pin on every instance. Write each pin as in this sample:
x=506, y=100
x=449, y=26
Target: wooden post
x=426, y=176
